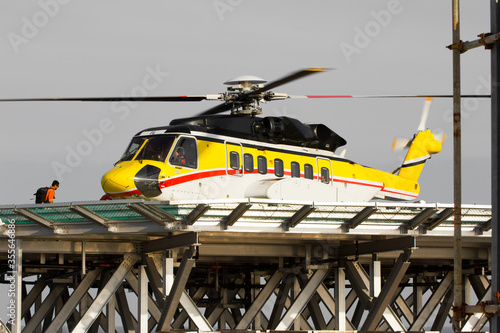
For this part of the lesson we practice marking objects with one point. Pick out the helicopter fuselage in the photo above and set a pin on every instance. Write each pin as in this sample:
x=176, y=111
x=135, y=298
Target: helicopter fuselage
x=221, y=157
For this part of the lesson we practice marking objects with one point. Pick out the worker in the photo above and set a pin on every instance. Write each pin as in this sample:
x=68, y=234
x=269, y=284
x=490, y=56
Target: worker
x=178, y=157
x=51, y=192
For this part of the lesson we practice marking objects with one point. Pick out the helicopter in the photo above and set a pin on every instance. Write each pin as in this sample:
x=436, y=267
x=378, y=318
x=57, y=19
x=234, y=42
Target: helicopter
x=240, y=155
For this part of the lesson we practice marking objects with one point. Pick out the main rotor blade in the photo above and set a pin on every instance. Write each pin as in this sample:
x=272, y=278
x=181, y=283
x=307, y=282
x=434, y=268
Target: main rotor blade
x=187, y=98
x=385, y=96
x=290, y=77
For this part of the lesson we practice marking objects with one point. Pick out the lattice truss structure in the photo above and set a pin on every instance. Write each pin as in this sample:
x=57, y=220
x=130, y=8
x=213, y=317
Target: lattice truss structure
x=242, y=265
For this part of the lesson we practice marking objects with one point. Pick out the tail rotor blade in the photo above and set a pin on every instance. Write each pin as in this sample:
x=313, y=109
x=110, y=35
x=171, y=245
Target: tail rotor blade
x=440, y=137
x=425, y=114
x=400, y=143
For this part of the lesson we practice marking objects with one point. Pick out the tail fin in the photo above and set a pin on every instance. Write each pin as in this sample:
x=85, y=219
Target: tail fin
x=423, y=145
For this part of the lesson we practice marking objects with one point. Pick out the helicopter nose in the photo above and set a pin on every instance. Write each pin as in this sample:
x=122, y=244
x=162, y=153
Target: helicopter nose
x=135, y=179
x=146, y=181
x=117, y=180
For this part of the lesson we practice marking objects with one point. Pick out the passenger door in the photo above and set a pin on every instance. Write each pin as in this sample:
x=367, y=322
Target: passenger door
x=324, y=170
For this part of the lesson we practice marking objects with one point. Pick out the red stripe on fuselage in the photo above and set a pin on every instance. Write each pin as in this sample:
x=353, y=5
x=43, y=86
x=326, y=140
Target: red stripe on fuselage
x=413, y=196
x=357, y=183
x=192, y=176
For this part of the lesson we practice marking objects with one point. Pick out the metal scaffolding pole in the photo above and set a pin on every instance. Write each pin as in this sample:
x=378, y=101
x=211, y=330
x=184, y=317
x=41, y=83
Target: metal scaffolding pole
x=495, y=119
x=457, y=170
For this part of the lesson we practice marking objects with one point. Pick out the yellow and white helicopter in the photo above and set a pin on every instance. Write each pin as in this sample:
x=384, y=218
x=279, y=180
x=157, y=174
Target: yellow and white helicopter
x=238, y=155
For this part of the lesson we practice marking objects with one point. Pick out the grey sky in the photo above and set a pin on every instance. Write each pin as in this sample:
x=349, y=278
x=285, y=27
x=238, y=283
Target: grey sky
x=56, y=48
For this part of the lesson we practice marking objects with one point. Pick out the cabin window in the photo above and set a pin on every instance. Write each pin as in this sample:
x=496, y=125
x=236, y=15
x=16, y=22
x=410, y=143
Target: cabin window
x=325, y=175
x=279, y=170
x=234, y=160
x=185, y=153
x=262, y=165
x=248, y=162
x=295, y=168
x=156, y=148
x=132, y=149
x=308, y=171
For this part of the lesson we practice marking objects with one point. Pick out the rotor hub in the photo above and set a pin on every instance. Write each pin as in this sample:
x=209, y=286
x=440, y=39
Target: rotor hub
x=249, y=105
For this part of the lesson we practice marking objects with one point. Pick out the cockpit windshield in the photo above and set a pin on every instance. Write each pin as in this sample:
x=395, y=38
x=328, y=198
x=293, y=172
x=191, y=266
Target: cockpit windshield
x=132, y=149
x=154, y=148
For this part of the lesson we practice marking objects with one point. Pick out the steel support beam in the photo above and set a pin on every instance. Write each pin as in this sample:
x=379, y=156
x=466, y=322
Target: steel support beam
x=105, y=294
x=259, y=301
x=33, y=295
x=443, y=312
x=48, y=305
x=196, y=213
x=440, y=218
x=388, y=292
x=110, y=310
x=340, y=306
x=302, y=299
x=375, y=277
x=142, y=308
x=238, y=212
x=404, y=308
x=421, y=217
x=152, y=213
x=128, y=320
x=153, y=308
x=328, y=300
x=417, y=294
x=219, y=309
x=72, y=303
x=477, y=319
x=172, y=301
x=191, y=310
x=194, y=313
x=281, y=298
x=35, y=217
x=486, y=226
x=495, y=158
x=361, y=216
x=89, y=215
x=386, y=245
x=298, y=217
x=361, y=283
x=432, y=303
x=172, y=242
x=155, y=281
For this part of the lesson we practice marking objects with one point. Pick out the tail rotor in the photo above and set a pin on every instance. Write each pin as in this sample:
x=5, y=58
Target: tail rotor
x=420, y=147
x=401, y=143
